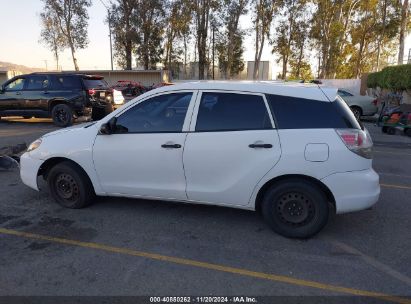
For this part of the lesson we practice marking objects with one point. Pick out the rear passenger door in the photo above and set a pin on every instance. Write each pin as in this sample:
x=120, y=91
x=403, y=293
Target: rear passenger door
x=232, y=144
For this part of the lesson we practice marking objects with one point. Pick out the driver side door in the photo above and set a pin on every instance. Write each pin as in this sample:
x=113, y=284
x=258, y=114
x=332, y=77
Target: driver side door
x=144, y=155
x=11, y=97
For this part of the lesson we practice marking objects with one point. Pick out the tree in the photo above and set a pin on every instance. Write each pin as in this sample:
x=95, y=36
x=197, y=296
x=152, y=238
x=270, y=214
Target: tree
x=230, y=40
x=123, y=27
x=300, y=69
x=51, y=35
x=331, y=23
x=405, y=12
x=263, y=17
x=177, y=27
x=72, y=19
x=202, y=10
x=150, y=25
x=374, y=28
x=292, y=34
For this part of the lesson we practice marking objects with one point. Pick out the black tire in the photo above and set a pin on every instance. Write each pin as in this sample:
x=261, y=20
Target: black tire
x=384, y=129
x=70, y=186
x=391, y=131
x=407, y=132
x=295, y=208
x=100, y=112
x=62, y=115
x=356, y=111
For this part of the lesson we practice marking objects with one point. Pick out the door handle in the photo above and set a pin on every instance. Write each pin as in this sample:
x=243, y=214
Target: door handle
x=171, y=146
x=265, y=146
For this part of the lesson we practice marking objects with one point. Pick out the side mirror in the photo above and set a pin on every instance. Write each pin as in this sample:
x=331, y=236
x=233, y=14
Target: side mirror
x=109, y=127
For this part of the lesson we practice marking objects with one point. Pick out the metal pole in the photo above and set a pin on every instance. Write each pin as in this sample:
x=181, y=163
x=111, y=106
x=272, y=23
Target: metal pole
x=111, y=45
x=213, y=52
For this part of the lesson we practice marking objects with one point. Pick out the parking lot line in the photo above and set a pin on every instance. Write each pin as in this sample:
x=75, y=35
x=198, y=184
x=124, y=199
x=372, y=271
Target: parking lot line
x=210, y=266
x=395, y=186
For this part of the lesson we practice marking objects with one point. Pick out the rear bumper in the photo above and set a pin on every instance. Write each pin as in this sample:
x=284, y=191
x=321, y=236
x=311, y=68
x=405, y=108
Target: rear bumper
x=355, y=190
x=29, y=167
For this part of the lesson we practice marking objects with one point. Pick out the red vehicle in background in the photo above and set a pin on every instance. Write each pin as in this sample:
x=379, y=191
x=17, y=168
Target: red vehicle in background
x=130, y=88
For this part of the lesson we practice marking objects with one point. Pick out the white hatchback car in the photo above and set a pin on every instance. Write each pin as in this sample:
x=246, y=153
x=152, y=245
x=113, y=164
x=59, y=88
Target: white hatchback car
x=294, y=152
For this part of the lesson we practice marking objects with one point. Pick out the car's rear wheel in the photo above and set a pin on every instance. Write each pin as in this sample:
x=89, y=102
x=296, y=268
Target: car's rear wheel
x=100, y=112
x=356, y=111
x=295, y=208
x=70, y=186
x=62, y=115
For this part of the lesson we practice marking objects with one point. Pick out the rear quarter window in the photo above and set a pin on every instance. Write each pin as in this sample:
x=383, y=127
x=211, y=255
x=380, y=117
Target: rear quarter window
x=301, y=113
x=62, y=82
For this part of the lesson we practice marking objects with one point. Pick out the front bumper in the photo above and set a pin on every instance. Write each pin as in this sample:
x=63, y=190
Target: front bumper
x=355, y=190
x=29, y=167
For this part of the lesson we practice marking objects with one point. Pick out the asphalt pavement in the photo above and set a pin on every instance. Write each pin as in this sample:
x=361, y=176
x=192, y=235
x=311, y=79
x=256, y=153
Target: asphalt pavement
x=129, y=247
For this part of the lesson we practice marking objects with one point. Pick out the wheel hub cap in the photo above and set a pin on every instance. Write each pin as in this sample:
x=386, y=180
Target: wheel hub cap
x=67, y=187
x=295, y=208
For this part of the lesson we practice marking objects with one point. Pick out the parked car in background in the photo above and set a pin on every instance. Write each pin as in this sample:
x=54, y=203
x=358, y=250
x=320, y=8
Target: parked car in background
x=293, y=152
x=118, y=98
x=359, y=105
x=129, y=88
x=61, y=96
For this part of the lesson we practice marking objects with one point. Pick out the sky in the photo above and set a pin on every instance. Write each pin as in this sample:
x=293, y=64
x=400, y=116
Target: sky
x=20, y=35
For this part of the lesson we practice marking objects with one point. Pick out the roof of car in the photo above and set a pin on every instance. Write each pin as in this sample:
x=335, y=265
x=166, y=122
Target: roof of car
x=66, y=74
x=293, y=89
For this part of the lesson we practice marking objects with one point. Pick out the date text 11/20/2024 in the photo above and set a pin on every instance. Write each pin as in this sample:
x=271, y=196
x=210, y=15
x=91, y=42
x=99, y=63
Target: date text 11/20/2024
x=205, y=299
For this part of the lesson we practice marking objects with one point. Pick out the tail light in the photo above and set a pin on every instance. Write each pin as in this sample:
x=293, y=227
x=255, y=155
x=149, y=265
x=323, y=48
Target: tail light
x=374, y=102
x=91, y=92
x=357, y=141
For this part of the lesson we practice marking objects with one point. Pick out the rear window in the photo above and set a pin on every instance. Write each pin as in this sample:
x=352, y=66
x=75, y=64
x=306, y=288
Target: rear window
x=301, y=113
x=94, y=83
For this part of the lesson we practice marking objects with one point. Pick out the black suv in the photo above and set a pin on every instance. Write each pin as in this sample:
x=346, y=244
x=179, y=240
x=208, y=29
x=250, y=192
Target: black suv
x=61, y=96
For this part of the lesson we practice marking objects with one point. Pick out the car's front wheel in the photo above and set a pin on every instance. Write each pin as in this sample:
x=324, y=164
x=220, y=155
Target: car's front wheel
x=295, y=208
x=70, y=186
x=62, y=115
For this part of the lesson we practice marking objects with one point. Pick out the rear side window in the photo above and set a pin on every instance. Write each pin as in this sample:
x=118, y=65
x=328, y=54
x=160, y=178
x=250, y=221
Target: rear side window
x=66, y=82
x=94, y=83
x=301, y=113
x=38, y=82
x=232, y=112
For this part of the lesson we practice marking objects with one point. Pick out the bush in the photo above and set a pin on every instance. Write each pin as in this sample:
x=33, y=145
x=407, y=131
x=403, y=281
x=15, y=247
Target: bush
x=394, y=78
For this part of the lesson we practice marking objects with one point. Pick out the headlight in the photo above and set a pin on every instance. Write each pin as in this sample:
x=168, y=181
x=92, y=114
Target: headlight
x=34, y=145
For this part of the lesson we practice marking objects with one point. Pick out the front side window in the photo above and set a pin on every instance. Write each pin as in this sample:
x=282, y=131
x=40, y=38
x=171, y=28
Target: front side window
x=16, y=85
x=38, y=82
x=232, y=112
x=164, y=113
